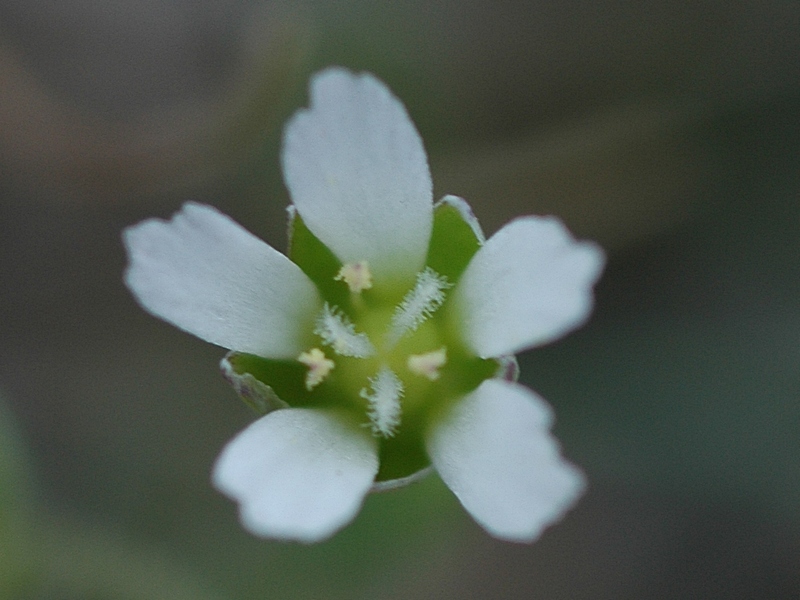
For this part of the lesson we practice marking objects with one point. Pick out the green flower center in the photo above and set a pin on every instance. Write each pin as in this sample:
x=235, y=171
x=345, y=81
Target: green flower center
x=390, y=356
x=391, y=351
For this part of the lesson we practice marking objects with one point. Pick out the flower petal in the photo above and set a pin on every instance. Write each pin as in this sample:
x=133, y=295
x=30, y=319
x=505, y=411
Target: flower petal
x=298, y=474
x=358, y=174
x=207, y=275
x=528, y=285
x=494, y=450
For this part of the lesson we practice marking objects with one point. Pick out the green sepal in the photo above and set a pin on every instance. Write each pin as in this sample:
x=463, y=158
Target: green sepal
x=455, y=239
x=405, y=453
x=316, y=260
x=402, y=456
x=249, y=374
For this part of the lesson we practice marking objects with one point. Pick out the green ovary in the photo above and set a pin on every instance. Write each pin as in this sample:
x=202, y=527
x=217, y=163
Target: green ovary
x=441, y=371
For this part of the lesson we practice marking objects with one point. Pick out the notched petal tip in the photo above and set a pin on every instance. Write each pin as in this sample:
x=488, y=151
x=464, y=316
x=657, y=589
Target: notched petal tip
x=494, y=450
x=531, y=283
x=297, y=474
x=207, y=275
x=357, y=171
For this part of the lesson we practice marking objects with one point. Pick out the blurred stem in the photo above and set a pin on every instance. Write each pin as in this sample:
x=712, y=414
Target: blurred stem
x=16, y=514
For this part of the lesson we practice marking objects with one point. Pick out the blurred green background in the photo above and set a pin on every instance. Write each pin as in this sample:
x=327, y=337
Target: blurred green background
x=667, y=131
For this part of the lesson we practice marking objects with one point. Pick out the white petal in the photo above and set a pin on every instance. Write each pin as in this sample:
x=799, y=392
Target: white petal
x=357, y=171
x=529, y=284
x=494, y=450
x=298, y=474
x=207, y=275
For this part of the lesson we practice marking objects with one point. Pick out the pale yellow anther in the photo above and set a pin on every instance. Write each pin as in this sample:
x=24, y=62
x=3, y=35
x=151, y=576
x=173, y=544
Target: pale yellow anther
x=318, y=367
x=357, y=276
x=428, y=364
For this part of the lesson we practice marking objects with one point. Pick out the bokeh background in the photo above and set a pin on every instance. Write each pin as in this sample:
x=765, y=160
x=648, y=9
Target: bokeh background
x=667, y=131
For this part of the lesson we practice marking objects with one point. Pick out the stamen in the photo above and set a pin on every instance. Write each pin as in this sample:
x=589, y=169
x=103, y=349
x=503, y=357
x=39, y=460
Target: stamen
x=357, y=276
x=428, y=364
x=318, y=367
x=384, y=402
x=338, y=332
x=418, y=304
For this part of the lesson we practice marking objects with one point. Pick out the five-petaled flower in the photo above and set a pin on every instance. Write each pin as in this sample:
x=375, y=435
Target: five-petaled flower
x=383, y=344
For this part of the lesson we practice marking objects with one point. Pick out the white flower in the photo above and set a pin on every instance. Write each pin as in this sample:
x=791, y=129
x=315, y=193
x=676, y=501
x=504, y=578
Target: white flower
x=385, y=342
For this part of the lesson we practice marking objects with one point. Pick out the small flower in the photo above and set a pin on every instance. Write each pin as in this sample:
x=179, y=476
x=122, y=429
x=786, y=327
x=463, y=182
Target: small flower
x=383, y=344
